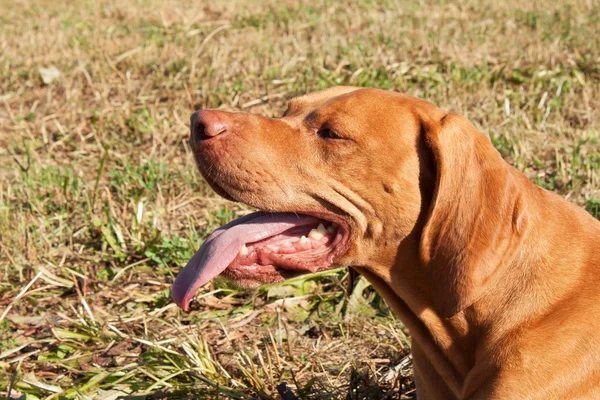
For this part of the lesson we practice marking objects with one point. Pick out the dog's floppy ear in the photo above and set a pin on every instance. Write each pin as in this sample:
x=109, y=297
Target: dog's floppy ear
x=474, y=216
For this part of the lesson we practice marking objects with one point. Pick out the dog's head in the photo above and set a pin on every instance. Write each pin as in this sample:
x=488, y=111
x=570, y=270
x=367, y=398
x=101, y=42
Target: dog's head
x=356, y=177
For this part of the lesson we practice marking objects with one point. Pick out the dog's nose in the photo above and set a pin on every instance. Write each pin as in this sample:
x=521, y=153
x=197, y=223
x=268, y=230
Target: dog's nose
x=206, y=124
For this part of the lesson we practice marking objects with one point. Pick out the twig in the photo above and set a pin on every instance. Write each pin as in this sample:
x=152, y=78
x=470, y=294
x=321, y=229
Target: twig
x=21, y=294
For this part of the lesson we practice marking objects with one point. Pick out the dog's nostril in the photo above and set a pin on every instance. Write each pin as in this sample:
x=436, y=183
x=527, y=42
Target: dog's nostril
x=205, y=125
x=198, y=131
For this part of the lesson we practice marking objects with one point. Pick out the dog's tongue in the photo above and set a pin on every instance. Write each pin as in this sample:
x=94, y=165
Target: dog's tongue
x=223, y=246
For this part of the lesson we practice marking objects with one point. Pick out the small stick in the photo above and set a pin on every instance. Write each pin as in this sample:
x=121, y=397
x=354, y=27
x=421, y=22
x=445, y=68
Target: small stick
x=21, y=294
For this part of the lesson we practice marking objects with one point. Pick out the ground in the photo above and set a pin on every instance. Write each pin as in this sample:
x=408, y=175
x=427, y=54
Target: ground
x=101, y=205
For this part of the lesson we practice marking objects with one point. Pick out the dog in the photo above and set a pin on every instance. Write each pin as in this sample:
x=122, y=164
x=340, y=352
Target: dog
x=497, y=279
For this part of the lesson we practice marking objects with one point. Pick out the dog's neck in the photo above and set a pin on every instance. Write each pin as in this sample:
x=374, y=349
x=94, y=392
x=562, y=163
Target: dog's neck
x=452, y=355
x=442, y=348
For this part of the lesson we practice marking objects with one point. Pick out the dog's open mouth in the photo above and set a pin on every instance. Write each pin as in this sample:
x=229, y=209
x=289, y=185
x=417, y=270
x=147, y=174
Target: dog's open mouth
x=262, y=248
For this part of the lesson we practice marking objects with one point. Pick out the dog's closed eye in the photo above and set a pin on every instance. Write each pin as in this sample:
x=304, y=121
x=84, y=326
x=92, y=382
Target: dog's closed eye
x=327, y=133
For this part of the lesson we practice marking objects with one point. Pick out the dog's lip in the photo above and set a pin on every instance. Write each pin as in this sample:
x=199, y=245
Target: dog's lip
x=275, y=274
x=344, y=226
x=220, y=190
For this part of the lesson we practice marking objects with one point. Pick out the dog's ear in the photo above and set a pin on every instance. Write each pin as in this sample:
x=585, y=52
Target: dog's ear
x=474, y=217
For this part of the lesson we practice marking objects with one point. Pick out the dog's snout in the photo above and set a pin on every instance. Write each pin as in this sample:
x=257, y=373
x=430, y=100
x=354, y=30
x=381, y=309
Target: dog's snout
x=206, y=124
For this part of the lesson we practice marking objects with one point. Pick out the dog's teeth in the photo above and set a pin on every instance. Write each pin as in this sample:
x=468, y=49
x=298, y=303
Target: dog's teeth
x=317, y=234
x=244, y=251
x=304, y=239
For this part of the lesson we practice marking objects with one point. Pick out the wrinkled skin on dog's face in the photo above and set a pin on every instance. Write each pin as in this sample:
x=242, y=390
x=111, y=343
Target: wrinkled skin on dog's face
x=340, y=178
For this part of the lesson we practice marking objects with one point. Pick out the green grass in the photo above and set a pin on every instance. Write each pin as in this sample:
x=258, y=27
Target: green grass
x=101, y=204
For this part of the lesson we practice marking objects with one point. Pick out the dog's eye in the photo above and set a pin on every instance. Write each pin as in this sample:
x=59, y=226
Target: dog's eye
x=326, y=133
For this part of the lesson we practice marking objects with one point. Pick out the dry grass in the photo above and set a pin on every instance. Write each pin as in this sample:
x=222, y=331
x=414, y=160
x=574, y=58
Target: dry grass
x=100, y=204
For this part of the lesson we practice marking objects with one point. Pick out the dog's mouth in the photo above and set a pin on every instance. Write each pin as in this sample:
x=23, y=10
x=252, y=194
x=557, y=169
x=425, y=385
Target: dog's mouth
x=264, y=247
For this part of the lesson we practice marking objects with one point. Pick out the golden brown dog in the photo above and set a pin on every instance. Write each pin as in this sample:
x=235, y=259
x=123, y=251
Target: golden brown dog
x=497, y=280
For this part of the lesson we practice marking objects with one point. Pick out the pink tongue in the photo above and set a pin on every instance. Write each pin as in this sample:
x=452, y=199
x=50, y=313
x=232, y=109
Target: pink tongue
x=223, y=245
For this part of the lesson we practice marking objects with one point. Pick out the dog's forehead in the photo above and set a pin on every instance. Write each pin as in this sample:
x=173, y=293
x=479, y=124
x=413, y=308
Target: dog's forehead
x=347, y=96
x=362, y=106
x=310, y=101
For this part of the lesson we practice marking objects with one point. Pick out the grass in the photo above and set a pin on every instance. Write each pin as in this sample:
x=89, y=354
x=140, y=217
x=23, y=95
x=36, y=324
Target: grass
x=101, y=205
